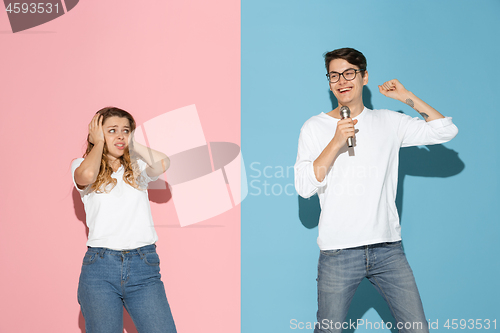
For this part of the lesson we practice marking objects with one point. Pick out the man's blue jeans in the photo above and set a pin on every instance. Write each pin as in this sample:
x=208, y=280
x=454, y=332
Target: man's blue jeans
x=111, y=280
x=341, y=271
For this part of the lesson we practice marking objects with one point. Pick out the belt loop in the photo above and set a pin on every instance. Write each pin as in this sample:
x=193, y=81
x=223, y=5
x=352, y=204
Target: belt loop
x=140, y=253
x=101, y=252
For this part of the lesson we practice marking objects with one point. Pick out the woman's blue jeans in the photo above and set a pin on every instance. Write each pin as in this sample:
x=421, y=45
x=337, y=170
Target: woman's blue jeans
x=111, y=280
x=341, y=271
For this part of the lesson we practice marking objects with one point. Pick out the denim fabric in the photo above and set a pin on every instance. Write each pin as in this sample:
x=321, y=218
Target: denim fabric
x=111, y=280
x=341, y=271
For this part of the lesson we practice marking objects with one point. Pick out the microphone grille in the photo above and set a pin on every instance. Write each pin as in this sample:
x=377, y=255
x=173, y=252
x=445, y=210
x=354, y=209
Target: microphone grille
x=345, y=112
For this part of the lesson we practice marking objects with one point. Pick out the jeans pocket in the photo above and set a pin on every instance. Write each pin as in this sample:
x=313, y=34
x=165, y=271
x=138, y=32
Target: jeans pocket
x=331, y=253
x=152, y=259
x=89, y=258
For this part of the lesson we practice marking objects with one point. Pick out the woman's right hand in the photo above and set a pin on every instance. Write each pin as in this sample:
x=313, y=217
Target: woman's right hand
x=96, y=133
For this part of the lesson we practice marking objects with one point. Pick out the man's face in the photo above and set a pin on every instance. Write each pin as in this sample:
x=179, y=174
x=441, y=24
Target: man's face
x=348, y=93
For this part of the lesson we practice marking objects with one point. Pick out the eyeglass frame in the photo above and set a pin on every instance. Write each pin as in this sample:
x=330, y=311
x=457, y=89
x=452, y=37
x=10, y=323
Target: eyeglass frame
x=342, y=74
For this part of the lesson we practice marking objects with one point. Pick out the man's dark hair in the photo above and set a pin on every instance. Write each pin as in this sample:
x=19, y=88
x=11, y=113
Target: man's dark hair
x=350, y=55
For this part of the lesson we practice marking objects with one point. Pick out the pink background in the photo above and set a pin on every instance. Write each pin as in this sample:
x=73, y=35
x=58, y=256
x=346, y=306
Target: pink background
x=146, y=57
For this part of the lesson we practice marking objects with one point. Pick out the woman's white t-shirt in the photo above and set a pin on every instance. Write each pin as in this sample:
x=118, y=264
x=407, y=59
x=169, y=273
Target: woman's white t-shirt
x=120, y=219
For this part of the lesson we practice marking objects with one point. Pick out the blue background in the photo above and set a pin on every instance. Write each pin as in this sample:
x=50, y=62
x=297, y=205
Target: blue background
x=447, y=53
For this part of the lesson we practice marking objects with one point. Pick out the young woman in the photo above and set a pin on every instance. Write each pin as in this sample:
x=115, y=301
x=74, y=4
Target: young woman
x=121, y=266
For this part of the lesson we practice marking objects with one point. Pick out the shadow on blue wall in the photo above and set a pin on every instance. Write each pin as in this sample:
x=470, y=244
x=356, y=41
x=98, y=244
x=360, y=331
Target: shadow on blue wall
x=431, y=161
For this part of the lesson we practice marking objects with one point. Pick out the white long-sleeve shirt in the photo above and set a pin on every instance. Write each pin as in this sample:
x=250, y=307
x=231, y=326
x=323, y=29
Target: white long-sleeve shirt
x=358, y=194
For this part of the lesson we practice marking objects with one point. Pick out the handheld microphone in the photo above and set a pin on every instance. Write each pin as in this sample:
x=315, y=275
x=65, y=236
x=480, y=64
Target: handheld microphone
x=345, y=112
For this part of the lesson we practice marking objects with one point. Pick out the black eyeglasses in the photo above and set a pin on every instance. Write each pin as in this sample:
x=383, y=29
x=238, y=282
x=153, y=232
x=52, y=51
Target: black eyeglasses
x=348, y=74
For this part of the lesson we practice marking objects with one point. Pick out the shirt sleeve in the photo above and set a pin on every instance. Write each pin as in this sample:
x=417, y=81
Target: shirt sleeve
x=417, y=132
x=74, y=165
x=144, y=175
x=306, y=183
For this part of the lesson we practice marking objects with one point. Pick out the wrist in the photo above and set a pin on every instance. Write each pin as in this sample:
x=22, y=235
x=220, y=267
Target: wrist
x=335, y=145
x=410, y=99
x=408, y=95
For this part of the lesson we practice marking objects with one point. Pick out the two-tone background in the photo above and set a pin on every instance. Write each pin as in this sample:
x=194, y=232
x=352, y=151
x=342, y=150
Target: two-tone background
x=254, y=70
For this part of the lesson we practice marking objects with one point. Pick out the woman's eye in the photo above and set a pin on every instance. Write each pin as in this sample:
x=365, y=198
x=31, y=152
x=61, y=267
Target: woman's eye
x=126, y=131
x=111, y=131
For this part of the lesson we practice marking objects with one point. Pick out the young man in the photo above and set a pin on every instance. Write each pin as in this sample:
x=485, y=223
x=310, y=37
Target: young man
x=359, y=230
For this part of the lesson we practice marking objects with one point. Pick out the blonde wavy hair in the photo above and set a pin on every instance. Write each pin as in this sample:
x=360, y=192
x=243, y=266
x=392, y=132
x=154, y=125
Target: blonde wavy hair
x=104, y=182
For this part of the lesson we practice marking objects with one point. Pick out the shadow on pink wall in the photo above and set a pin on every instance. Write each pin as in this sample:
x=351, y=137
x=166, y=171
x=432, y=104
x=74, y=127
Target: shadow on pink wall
x=79, y=209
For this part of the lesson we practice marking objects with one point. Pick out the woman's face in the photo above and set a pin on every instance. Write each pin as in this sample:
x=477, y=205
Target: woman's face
x=116, y=134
